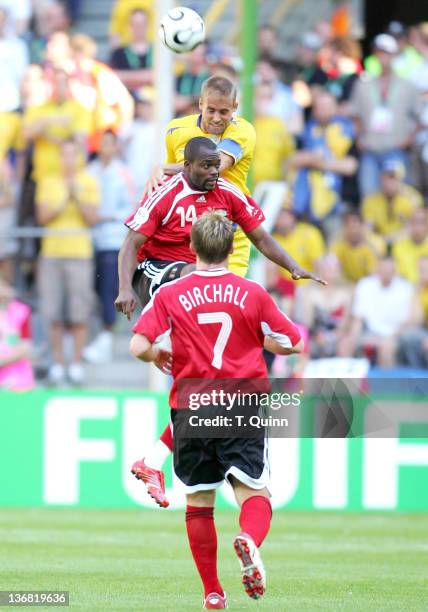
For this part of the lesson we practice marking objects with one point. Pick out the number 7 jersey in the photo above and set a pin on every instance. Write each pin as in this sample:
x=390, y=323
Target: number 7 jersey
x=167, y=215
x=217, y=322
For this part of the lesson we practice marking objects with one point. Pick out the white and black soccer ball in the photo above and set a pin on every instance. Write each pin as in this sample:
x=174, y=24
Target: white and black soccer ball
x=182, y=29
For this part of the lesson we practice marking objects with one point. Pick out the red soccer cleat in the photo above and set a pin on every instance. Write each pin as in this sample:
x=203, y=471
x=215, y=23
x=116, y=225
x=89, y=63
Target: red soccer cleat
x=154, y=481
x=253, y=571
x=214, y=601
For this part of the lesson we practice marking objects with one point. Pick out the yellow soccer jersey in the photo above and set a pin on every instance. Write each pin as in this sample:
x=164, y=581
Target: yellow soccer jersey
x=238, y=140
x=305, y=244
x=407, y=255
x=52, y=192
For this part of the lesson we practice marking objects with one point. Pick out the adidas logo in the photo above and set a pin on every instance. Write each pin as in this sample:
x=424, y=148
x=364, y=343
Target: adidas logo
x=201, y=199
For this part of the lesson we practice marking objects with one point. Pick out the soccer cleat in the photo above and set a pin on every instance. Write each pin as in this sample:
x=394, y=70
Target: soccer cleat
x=214, y=601
x=253, y=571
x=154, y=481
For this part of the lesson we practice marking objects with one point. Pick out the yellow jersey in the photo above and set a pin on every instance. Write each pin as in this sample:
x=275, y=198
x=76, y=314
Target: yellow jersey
x=358, y=260
x=387, y=217
x=52, y=192
x=238, y=141
x=72, y=119
x=407, y=255
x=274, y=145
x=305, y=243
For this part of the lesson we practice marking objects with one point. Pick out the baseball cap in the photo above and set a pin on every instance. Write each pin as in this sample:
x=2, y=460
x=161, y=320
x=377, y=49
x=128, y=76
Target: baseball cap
x=396, y=29
x=386, y=43
x=395, y=168
x=311, y=40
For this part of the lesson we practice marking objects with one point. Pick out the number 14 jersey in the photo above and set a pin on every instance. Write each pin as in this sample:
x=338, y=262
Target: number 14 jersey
x=167, y=215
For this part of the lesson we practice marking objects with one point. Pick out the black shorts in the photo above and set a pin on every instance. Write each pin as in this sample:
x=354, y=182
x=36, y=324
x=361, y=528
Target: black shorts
x=151, y=274
x=203, y=463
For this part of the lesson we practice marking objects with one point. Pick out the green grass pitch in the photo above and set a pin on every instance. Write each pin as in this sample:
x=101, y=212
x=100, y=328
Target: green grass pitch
x=139, y=560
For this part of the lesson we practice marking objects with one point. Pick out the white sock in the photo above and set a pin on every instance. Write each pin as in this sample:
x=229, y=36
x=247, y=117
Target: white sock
x=157, y=455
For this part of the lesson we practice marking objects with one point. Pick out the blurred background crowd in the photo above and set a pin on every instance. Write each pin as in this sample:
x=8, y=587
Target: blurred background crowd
x=344, y=131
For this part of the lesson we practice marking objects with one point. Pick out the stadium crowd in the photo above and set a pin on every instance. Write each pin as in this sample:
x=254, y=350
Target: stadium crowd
x=348, y=134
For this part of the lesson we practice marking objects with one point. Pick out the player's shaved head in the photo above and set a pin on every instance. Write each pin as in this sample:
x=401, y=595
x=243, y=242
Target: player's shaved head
x=212, y=237
x=220, y=85
x=202, y=163
x=199, y=147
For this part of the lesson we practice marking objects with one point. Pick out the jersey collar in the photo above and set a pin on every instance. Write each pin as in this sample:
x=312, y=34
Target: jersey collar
x=213, y=272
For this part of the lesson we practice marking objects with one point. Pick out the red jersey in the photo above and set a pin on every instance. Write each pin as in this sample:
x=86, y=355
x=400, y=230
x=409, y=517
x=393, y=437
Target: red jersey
x=167, y=215
x=217, y=321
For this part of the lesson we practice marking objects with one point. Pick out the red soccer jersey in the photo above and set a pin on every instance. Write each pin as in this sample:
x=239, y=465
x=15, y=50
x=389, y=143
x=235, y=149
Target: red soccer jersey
x=166, y=216
x=218, y=321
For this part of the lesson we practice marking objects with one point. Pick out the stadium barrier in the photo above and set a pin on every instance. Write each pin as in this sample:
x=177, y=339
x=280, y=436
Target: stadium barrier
x=74, y=449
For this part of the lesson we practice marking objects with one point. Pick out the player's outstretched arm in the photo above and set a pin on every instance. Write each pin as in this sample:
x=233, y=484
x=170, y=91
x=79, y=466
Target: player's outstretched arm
x=273, y=251
x=126, y=301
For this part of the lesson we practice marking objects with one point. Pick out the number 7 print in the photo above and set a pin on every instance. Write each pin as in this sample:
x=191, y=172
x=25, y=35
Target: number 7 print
x=226, y=327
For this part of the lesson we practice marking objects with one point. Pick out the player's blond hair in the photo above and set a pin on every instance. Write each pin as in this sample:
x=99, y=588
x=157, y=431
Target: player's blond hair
x=221, y=85
x=212, y=237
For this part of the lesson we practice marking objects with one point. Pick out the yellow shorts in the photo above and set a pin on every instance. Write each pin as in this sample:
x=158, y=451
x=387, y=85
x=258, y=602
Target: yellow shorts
x=239, y=260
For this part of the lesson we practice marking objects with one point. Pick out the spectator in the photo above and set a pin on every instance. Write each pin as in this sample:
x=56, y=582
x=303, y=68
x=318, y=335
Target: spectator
x=140, y=142
x=386, y=109
x=117, y=196
x=133, y=63
x=322, y=162
x=414, y=342
x=282, y=104
x=68, y=202
x=342, y=65
x=49, y=125
x=274, y=144
x=409, y=250
x=16, y=372
x=307, y=63
x=358, y=250
x=267, y=41
x=13, y=62
x=420, y=153
x=120, y=32
x=300, y=240
x=388, y=210
x=51, y=17
x=384, y=305
x=407, y=60
x=7, y=222
x=189, y=82
x=100, y=91
x=324, y=310
x=307, y=75
x=58, y=55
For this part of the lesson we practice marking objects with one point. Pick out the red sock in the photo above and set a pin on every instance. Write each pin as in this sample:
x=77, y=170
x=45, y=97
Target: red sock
x=203, y=544
x=255, y=516
x=166, y=437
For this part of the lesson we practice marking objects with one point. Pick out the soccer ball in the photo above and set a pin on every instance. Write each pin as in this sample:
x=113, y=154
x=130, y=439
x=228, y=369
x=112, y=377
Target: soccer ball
x=182, y=30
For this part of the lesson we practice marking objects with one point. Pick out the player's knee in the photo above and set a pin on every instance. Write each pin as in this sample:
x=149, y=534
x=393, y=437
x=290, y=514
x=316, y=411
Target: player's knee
x=243, y=492
x=201, y=499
